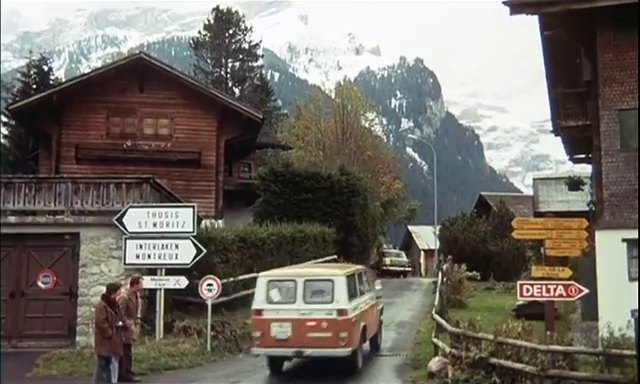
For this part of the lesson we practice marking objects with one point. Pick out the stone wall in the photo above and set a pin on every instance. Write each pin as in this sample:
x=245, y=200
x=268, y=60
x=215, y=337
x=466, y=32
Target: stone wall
x=100, y=264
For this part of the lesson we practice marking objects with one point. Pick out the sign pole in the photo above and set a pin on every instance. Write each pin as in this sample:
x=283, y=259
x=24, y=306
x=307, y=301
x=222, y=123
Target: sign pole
x=209, y=325
x=159, y=309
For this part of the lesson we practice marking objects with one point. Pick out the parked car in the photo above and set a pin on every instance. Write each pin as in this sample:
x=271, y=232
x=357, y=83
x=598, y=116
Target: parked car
x=394, y=262
x=316, y=311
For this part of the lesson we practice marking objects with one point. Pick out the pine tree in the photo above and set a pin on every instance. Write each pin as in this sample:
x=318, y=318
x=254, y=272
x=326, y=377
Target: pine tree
x=19, y=147
x=227, y=59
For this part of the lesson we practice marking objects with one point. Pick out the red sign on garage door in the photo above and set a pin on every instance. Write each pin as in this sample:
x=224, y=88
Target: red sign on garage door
x=46, y=279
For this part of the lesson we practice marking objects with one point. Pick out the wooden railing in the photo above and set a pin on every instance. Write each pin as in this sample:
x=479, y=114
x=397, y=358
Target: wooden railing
x=86, y=195
x=467, y=339
x=573, y=107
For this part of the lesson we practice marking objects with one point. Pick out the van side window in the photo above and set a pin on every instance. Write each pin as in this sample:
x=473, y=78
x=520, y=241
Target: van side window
x=352, y=287
x=281, y=291
x=318, y=291
x=363, y=284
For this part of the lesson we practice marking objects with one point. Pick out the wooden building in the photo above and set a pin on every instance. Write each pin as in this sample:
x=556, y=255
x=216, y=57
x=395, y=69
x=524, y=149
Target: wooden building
x=590, y=50
x=133, y=131
x=419, y=244
x=519, y=203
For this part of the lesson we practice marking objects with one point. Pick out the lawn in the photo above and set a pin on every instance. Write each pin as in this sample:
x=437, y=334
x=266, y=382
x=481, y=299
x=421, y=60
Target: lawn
x=422, y=350
x=184, y=348
x=493, y=307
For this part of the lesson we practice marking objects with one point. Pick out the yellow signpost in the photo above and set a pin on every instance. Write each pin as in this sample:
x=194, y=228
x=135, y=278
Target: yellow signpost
x=566, y=243
x=544, y=271
x=525, y=234
x=563, y=252
x=529, y=223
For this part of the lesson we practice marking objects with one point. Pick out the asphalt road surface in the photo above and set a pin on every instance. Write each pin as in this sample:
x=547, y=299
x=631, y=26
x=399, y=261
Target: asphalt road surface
x=405, y=300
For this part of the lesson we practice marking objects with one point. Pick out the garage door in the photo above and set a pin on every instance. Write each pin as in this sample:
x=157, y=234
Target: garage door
x=39, y=289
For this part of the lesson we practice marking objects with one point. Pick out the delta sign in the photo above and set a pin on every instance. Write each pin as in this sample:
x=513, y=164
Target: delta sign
x=550, y=291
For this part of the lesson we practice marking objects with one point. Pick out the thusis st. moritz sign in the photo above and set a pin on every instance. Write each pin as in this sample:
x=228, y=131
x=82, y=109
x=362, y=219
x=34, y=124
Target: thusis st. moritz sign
x=158, y=219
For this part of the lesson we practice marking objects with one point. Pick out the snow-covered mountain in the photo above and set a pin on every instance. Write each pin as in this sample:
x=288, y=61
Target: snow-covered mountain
x=316, y=45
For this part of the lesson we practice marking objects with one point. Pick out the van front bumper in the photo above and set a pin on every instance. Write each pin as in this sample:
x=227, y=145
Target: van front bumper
x=302, y=352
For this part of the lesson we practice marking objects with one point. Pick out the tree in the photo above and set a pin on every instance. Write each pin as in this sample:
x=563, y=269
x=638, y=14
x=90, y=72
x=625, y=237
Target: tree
x=485, y=245
x=327, y=134
x=227, y=59
x=340, y=200
x=19, y=148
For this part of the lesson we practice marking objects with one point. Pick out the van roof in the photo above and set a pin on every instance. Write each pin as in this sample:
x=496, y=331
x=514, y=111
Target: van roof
x=325, y=269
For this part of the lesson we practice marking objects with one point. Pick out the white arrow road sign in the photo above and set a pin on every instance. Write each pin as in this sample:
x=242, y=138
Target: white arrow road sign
x=158, y=219
x=164, y=282
x=160, y=252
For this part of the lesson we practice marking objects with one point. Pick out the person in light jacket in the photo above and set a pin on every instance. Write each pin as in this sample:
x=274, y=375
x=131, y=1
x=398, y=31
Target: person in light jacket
x=108, y=328
x=129, y=304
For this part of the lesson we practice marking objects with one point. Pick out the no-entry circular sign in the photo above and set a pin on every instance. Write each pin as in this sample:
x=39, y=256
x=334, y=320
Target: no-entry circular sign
x=46, y=279
x=209, y=287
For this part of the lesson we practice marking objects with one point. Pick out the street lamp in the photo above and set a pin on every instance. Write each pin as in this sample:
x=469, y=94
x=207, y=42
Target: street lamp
x=435, y=189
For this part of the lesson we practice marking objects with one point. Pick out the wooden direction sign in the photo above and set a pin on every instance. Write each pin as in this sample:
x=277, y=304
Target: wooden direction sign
x=550, y=291
x=565, y=244
x=560, y=252
x=547, y=272
x=158, y=219
x=160, y=252
x=549, y=223
x=524, y=234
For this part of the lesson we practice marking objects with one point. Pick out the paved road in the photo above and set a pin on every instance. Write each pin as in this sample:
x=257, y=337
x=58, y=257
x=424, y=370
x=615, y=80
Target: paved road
x=405, y=300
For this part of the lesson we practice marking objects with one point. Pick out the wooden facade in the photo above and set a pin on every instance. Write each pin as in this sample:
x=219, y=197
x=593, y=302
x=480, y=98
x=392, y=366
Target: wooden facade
x=138, y=116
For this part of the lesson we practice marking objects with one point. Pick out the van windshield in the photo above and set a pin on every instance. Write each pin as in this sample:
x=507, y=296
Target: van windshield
x=281, y=292
x=318, y=291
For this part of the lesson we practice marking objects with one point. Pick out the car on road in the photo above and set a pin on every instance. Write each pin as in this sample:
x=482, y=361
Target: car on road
x=316, y=311
x=394, y=262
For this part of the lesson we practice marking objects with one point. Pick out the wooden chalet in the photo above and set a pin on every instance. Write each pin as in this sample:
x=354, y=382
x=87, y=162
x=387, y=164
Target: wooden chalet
x=519, y=203
x=590, y=50
x=133, y=131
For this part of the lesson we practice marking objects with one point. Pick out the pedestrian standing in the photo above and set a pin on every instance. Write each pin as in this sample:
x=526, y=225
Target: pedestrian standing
x=107, y=335
x=129, y=304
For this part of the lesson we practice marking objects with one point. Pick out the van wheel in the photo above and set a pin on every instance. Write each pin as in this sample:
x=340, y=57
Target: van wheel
x=375, y=343
x=275, y=364
x=356, y=360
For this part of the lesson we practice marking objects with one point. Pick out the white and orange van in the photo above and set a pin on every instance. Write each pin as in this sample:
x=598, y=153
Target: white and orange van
x=320, y=310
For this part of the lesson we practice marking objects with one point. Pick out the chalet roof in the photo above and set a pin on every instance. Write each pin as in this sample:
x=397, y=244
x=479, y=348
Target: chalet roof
x=144, y=59
x=536, y=7
x=519, y=203
x=423, y=235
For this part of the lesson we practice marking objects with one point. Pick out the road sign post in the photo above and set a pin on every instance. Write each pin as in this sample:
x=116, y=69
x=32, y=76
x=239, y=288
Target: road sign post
x=563, y=237
x=209, y=289
x=159, y=236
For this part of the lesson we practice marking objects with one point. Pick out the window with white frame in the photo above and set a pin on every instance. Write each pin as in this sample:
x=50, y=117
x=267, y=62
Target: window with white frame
x=632, y=258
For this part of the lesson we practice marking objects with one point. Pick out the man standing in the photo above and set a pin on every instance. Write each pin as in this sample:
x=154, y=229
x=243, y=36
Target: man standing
x=107, y=335
x=129, y=304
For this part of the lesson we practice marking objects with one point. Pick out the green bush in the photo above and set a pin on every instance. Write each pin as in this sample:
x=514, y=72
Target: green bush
x=339, y=200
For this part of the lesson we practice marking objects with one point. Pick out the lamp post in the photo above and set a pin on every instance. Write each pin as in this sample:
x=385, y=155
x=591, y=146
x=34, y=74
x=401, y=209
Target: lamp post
x=435, y=189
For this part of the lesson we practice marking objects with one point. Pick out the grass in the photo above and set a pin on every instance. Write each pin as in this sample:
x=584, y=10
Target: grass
x=184, y=349
x=422, y=350
x=149, y=356
x=493, y=307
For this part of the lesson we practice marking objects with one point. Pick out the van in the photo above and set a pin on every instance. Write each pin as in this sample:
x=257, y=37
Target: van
x=316, y=311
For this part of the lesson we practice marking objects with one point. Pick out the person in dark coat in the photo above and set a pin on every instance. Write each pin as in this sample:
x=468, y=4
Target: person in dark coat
x=129, y=304
x=108, y=327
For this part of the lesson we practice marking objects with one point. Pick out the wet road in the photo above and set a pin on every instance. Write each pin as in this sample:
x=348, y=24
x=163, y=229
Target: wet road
x=405, y=300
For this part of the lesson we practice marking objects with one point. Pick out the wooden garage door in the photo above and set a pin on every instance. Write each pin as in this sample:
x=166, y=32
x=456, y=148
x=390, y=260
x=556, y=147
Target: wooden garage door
x=37, y=317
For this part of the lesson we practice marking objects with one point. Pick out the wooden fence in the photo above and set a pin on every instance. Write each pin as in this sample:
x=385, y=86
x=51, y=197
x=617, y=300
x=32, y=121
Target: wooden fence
x=469, y=338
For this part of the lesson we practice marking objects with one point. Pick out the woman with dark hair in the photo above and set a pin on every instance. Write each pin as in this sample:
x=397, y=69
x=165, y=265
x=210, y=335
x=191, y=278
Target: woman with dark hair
x=108, y=327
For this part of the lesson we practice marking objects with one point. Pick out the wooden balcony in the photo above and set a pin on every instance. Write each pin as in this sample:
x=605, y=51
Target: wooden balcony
x=34, y=198
x=573, y=108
